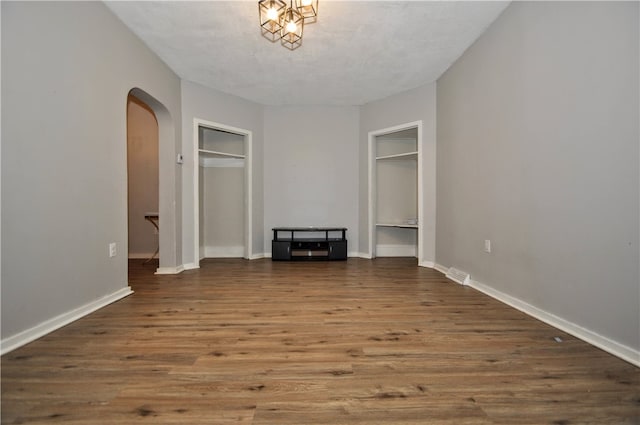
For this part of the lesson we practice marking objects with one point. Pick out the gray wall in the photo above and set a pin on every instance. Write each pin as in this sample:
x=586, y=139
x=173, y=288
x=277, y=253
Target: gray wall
x=66, y=71
x=311, y=169
x=211, y=105
x=223, y=211
x=413, y=105
x=538, y=152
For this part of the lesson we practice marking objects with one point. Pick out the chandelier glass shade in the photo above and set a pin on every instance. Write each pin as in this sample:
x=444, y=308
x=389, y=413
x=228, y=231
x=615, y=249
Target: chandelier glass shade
x=308, y=9
x=279, y=21
x=292, y=25
x=271, y=12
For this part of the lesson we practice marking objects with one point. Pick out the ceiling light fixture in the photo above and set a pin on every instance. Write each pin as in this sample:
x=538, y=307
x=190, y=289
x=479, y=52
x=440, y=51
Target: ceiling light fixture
x=308, y=9
x=292, y=24
x=270, y=13
x=286, y=23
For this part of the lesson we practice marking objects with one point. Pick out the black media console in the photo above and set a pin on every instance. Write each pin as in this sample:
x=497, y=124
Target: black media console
x=309, y=243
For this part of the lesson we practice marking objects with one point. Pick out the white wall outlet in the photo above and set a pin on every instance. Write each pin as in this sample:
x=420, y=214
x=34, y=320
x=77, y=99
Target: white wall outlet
x=179, y=159
x=487, y=245
x=112, y=249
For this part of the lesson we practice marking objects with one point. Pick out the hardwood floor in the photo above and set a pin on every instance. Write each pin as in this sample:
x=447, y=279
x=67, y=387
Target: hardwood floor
x=356, y=342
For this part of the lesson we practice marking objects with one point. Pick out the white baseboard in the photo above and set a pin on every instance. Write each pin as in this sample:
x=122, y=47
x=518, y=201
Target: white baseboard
x=140, y=256
x=190, y=266
x=349, y=255
x=428, y=264
x=396, y=250
x=368, y=256
x=38, y=331
x=619, y=350
x=193, y=266
x=442, y=269
x=612, y=347
x=170, y=270
x=224, y=251
x=257, y=256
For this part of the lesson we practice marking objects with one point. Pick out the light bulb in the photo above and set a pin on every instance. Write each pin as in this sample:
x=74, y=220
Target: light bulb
x=306, y=3
x=291, y=26
x=272, y=14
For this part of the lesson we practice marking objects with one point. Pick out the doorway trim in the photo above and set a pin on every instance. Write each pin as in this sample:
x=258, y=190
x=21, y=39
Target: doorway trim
x=168, y=255
x=151, y=251
x=372, y=185
x=248, y=190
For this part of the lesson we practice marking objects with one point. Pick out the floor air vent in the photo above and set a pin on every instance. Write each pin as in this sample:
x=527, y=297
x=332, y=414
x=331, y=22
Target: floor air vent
x=458, y=276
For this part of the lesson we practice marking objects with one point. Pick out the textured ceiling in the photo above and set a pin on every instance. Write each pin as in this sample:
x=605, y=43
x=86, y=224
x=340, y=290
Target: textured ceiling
x=355, y=53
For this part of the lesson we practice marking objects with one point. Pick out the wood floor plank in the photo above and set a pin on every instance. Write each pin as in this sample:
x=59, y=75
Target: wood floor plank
x=355, y=342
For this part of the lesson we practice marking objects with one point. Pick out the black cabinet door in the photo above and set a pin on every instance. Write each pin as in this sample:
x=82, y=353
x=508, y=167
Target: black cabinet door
x=280, y=250
x=338, y=250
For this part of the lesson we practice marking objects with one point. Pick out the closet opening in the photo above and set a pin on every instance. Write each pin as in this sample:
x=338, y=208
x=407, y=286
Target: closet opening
x=222, y=188
x=395, y=193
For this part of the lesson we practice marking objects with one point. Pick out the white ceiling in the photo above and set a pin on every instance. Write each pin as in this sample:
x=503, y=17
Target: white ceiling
x=356, y=52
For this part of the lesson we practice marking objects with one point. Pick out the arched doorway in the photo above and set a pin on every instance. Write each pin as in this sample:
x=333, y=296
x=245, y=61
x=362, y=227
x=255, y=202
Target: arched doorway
x=168, y=182
x=142, y=182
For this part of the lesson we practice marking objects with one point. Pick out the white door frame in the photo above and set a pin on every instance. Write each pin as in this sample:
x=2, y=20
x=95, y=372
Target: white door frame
x=248, y=198
x=373, y=191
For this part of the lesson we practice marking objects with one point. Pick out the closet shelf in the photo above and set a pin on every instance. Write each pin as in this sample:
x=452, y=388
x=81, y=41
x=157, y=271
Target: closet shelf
x=402, y=225
x=215, y=154
x=406, y=155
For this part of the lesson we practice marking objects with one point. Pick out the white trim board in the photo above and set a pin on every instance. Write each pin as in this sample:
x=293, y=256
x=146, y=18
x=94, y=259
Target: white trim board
x=224, y=251
x=371, y=176
x=427, y=264
x=396, y=251
x=248, y=185
x=141, y=256
x=350, y=254
x=222, y=162
x=170, y=270
x=190, y=266
x=48, y=326
x=442, y=269
x=612, y=347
